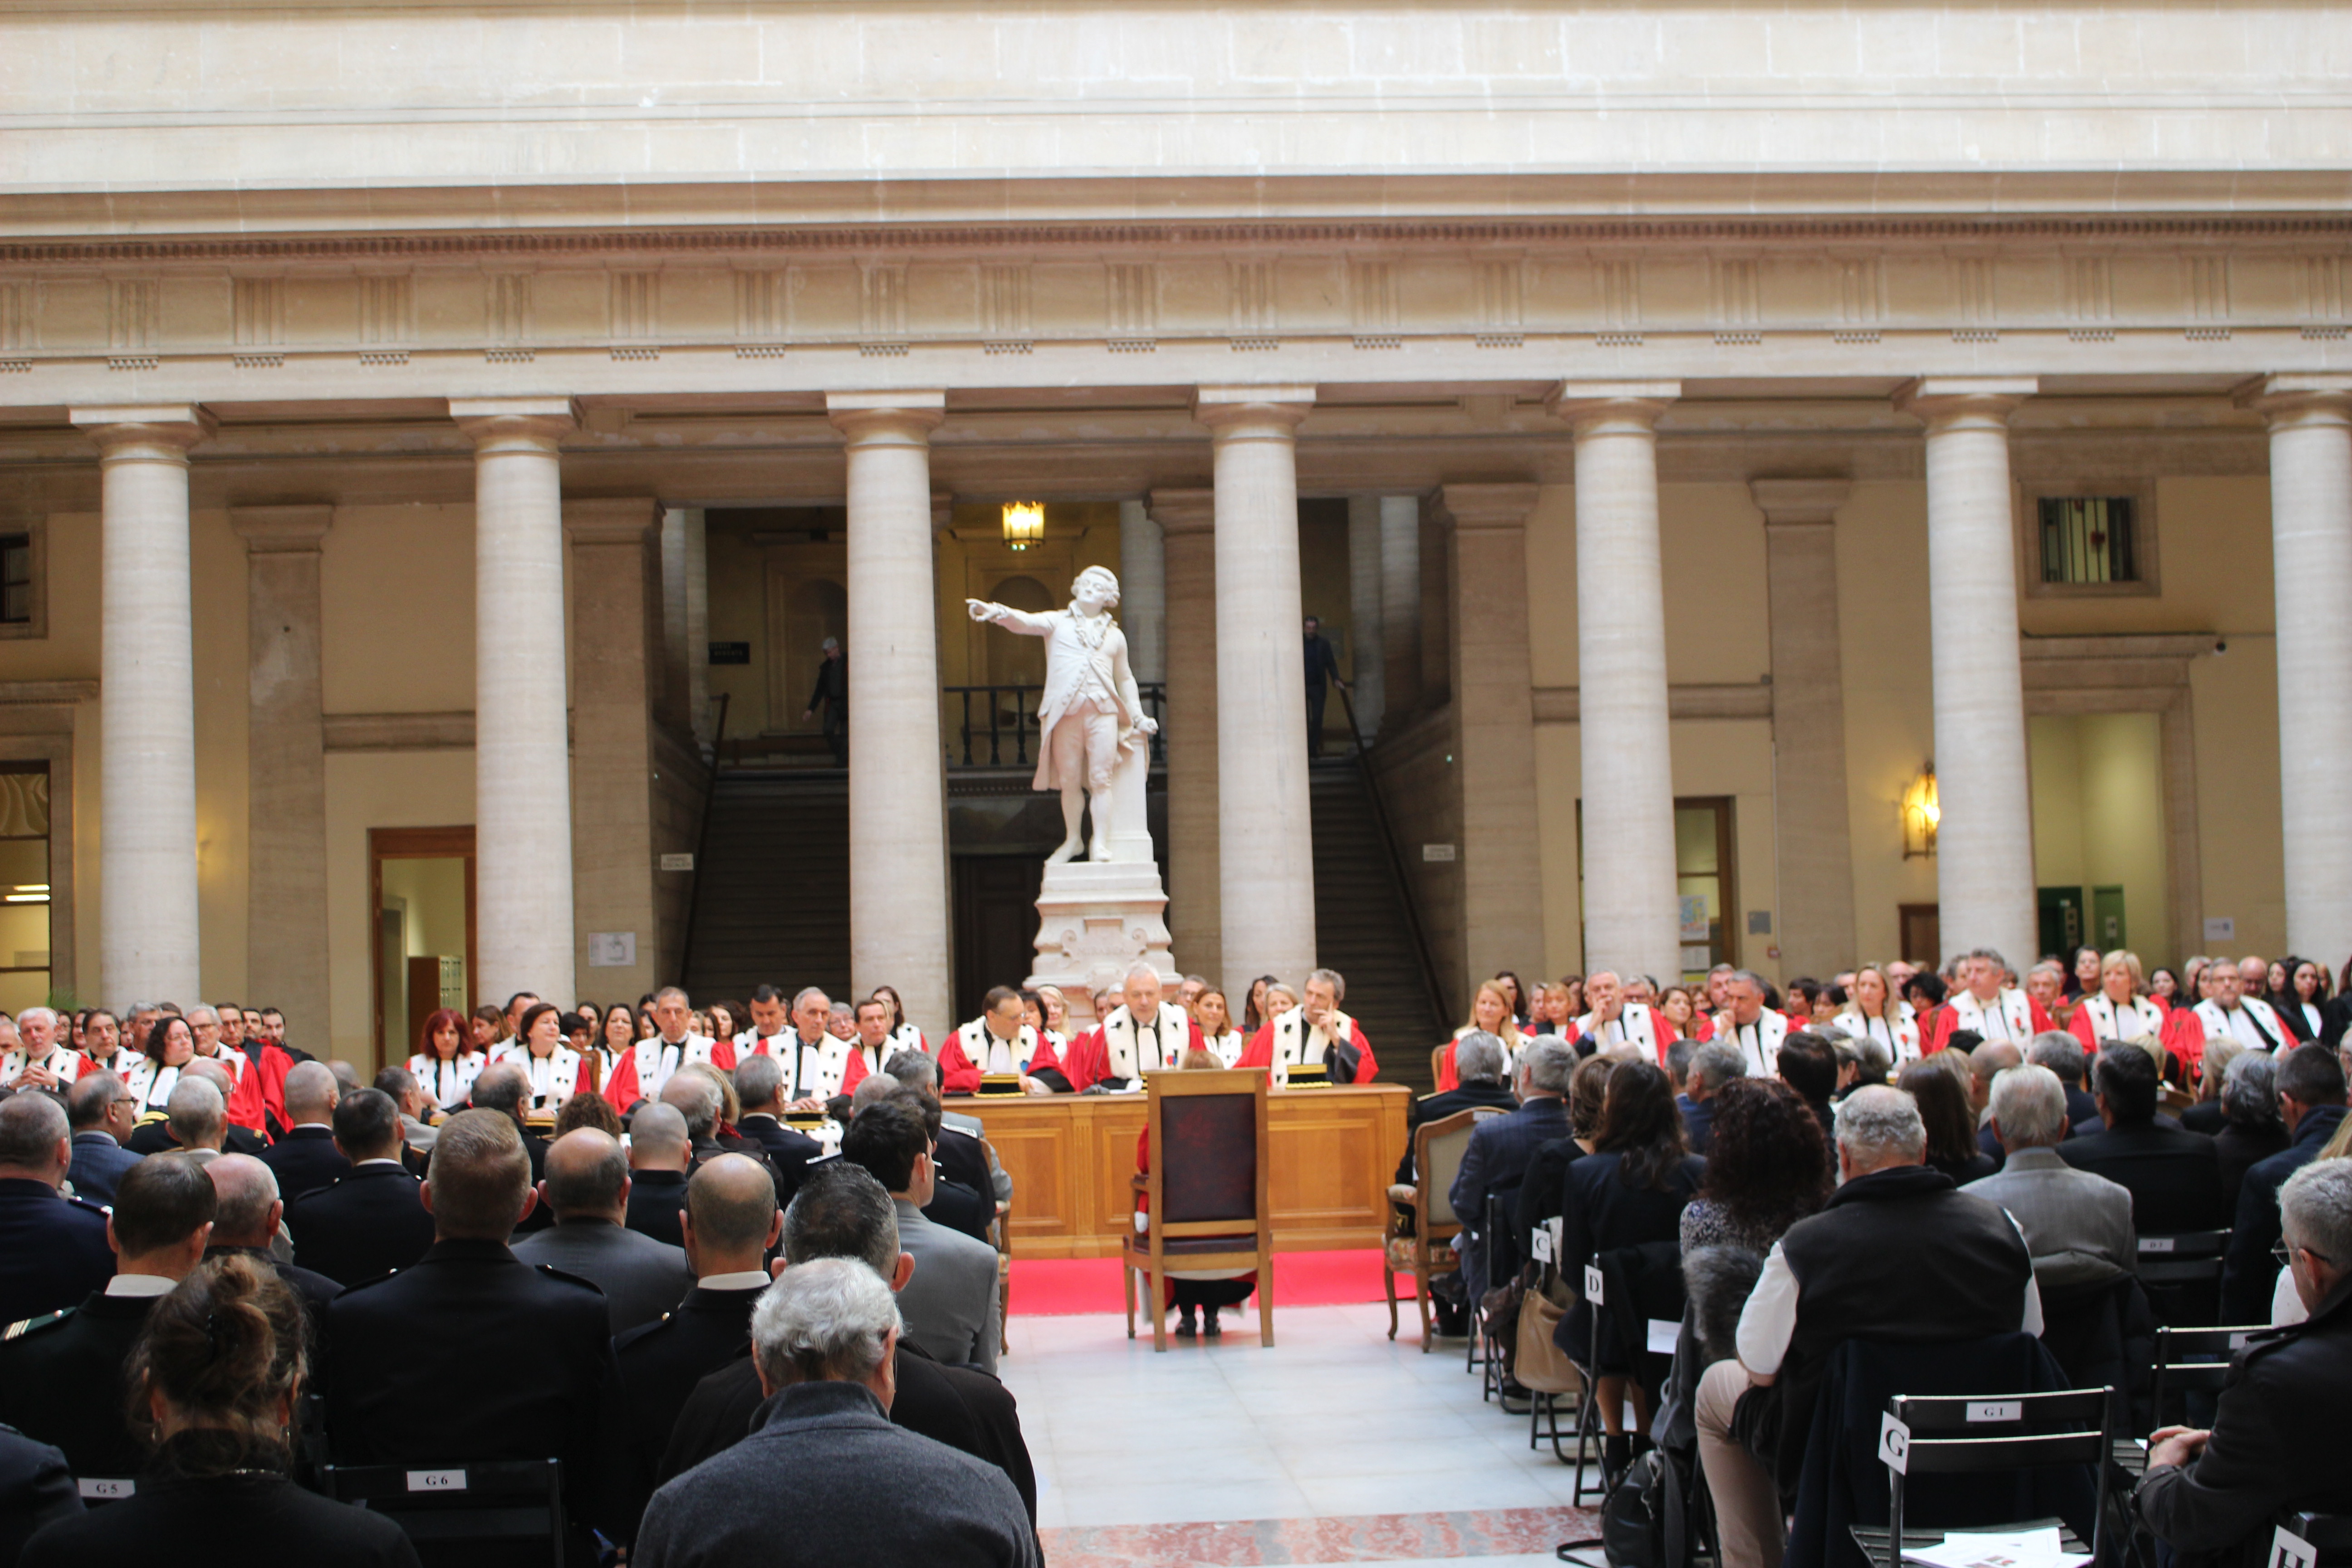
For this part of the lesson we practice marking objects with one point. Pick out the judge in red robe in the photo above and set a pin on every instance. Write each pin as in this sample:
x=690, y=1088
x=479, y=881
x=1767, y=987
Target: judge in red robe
x=1000, y=1040
x=1315, y=1031
x=1141, y=1034
x=1996, y=1012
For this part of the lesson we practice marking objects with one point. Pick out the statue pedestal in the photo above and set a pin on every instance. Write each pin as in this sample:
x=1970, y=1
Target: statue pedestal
x=1095, y=920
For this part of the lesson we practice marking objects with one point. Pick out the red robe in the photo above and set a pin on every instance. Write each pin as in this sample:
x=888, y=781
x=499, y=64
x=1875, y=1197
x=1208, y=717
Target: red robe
x=1260, y=1051
x=1948, y=1023
x=1089, y=1061
x=855, y=1071
x=271, y=1070
x=2184, y=1037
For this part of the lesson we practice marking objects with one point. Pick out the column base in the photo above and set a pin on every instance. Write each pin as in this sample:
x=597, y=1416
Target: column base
x=1095, y=920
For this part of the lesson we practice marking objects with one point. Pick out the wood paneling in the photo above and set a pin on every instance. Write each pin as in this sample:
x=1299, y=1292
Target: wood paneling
x=1070, y=1157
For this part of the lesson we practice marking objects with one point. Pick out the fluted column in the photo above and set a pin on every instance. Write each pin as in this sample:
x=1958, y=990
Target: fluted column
x=1401, y=603
x=897, y=815
x=1632, y=920
x=1809, y=797
x=2311, y=559
x=1368, y=639
x=1984, y=843
x=286, y=748
x=522, y=774
x=148, y=942
x=1142, y=592
x=1266, y=871
x=1187, y=521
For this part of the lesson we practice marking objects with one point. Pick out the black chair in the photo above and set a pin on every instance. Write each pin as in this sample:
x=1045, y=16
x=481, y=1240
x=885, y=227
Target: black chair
x=2329, y=1536
x=2182, y=1274
x=1980, y=1434
x=456, y=1516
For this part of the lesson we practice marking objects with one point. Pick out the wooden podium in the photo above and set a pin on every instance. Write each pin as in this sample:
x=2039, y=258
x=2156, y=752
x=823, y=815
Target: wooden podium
x=1334, y=1152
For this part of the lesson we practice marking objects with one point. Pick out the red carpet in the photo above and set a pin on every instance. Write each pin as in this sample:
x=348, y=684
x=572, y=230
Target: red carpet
x=1061, y=1286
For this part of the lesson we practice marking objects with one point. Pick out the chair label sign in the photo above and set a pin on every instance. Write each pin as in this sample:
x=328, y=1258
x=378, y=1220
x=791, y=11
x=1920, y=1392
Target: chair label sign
x=1895, y=1446
x=436, y=1481
x=1662, y=1337
x=1996, y=1410
x=1540, y=1243
x=106, y=1488
x=1593, y=1284
x=2289, y=1550
x=2155, y=1243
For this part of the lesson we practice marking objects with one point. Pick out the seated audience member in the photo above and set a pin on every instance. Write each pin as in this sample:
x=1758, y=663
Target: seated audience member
x=959, y=1201
x=590, y=1110
x=415, y=1107
x=504, y=1087
x=215, y=1374
x=2077, y=1226
x=1712, y=1067
x=102, y=1115
x=2205, y=1116
x=1495, y=1161
x=1987, y=1059
x=2251, y=1130
x=731, y=1222
x=1863, y=1061
x=245, y=1223
x=2213, y=1496
x=1478, y=1065
x=842, y=1211
x=60, y=1378
x=759, y=1083
x=373, y=1220
x=659, y=1153
x=1944, y=1111
x=2174, y=1176
x=305, y=1159
x=2311, y=1102
x=404, y=1373
x=1895, y=1255
x=2066, y=1059
x=951, y=1306
x=1631, y=1189
x=53, y=1249
x=699, y=1092
x=1767, y=1168
x=36, y=1488
x=198, y=1118
x=1808, y=1064
x=587, y=1185
x=826, y=1479
x=962, y=1155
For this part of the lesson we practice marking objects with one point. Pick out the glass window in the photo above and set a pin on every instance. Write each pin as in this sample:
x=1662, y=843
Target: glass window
x=2087, y=539
x=24, y=885
x=1704, y=882
x=16, y=579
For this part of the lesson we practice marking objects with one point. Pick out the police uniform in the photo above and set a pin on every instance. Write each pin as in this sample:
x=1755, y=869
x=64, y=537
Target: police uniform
x=661, y=1363
x=53, y=1249
x=306, y=1160
x=369, y=1223
x=154, y=1137
x=314, y=1291
x=60, y=1381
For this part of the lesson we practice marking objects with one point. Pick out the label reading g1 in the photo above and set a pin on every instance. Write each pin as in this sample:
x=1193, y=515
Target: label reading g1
x=1996, y=1410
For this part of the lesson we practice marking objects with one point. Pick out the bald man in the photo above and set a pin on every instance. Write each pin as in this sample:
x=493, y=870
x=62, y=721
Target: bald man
x=587, y=1186
x=660, y=1153
x=245, y=1223
x=305, y=1159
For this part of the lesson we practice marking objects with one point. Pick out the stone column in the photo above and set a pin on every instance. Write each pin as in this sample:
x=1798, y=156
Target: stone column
x=1399, y=604
x=1266, y=853
x=286, y=745
x=1816, y=856
x=1984, y=844
x=1142, y=592
x=148, y=946
x=1187, y=520
x=897, y=795
x=697, y=629
x=1495, y=730
x=1632, y=915
x=522, y=776
x=618, y=670
x=674, y=698
x=2311, y=555
x=1368, y=650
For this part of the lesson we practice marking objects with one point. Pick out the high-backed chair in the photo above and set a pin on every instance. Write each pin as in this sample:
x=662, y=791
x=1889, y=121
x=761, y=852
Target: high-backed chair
x=1437, y=1150
x=1205, y=1205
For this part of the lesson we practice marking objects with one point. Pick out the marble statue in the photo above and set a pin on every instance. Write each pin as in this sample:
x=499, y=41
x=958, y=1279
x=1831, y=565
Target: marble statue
x=1092, y=716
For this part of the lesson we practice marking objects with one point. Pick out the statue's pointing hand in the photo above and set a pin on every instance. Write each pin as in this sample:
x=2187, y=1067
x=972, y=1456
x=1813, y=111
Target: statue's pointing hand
x=980, y=609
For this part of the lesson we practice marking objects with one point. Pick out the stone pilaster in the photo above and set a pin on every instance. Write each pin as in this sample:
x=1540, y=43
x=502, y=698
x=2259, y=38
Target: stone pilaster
x=618, y=670
x=1367, y=608
x=1142, y=592
x=1187, y=521
x=1401, y=604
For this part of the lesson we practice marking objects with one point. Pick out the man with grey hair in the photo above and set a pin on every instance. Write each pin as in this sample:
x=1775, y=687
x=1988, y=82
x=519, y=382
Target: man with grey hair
x=759, y=1086
x=104, y=1114
x=1142, y=1034
x=1480, y=1062
x=247, y=1222
x=196, y=1116
x=2062, y=1053
x=2078, y=1226
x=40, y=1060
x=1711, y=1066
x=1898, y=1255
x=2213, y=1496
x=415, y=1104
x=1747, y=1023
x=1496, y=1158
x=824, y=1477
x=1314, y=1031
x=53, y=1249
x=587, y=1185
x=306, y=1158
x=1985, y=1003
x=1613, y=1019
x=641, y=1071
x=660, y=1153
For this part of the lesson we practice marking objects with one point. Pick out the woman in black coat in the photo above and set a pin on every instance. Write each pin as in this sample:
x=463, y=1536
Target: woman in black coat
x=215, y=1377
x=1631, y=1189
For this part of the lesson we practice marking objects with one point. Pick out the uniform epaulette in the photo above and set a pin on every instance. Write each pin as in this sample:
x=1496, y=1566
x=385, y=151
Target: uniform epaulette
x=553, y=1272
x=102, y=1210
x=363, y=1284
x=17, y=1331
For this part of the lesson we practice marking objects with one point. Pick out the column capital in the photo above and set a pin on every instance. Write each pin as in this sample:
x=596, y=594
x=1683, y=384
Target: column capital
x=1944, y=399
x=1183, y=512
x=174, y=426
x=1583, y=402
x=1223, y=407
x=629, y=522
x=1481, y=506
x=2301, y=399
x=883, y=416
x=281, y=530
x=534, y=421
x=1786, y=502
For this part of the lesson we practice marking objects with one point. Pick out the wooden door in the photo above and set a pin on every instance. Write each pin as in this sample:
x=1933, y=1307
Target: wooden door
x=996, y=924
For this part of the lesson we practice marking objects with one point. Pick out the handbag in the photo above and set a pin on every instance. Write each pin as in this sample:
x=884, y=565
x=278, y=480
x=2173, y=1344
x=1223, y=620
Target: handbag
x=1540, y=1364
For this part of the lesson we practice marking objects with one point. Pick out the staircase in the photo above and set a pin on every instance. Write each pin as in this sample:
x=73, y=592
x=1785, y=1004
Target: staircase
x=771, y=886
x=1360, y=928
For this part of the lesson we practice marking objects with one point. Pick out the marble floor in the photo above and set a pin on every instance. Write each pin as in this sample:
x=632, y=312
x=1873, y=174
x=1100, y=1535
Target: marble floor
x=1335, y=1446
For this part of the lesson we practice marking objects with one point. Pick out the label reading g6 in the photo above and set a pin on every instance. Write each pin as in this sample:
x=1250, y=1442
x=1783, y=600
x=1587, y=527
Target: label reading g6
x=436, y=1481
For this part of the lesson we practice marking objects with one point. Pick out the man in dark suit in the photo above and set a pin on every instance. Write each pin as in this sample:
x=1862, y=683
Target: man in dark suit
x=2174, y=1176
x=1497, y=1159
x=159, y=1136
x=955, y=1203
x=247, y=1223
x=2062, y=1053
x=305, y=1159
x=693, y=1093
x=587, y=1185
x=472, y=1355
x=731, y=1222
x=103, y=1115
x=506, y=1087
x=842, y=1211
x=1322, y=665
x=36, y=1488
x=659, y=1154
x=1711, y=1066
x=373, y=1220
x=960, y=1158
x=1478, y=1067
x=53, y=1249
x=759, y=1084
x=2311, y=1101
x=60, y=1378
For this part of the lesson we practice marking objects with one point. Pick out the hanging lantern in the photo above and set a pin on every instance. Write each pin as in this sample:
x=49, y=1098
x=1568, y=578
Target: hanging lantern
x=1920, y=815
x=1024, y=524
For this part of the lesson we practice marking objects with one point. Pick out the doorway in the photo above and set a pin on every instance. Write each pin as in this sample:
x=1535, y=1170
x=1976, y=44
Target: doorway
x=24, y=885
x=2099, y=831
x=1920, y=932
x=421, y=888
x=996, y=924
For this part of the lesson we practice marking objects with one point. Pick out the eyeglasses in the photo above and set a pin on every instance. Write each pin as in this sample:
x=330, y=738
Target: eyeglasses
x=2286, y=1254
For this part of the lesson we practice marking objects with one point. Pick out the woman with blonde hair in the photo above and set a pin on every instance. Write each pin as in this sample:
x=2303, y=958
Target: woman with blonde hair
x=2117, y=1010
x=1873, y=1012
x=1490, y=1011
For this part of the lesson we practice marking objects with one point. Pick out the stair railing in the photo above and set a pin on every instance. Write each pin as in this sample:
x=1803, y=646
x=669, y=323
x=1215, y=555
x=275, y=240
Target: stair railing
x=702, y=838
x=1394, y=856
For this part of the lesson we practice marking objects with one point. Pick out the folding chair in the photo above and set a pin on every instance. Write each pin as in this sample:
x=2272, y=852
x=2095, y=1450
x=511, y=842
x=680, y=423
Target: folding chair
x=2329, y=1536
x=503, y=1511
x=1437, y=1149
x=2188, y=1360
x=1983, y=1434
x=1206, y=1190
x=2182, y=1273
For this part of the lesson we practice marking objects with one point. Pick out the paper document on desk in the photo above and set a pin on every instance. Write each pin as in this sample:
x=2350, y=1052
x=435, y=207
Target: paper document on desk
x=1988, y=1549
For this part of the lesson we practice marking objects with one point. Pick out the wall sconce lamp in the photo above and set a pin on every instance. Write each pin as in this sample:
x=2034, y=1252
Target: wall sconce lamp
x=1024, y=524
x=1920, y=815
